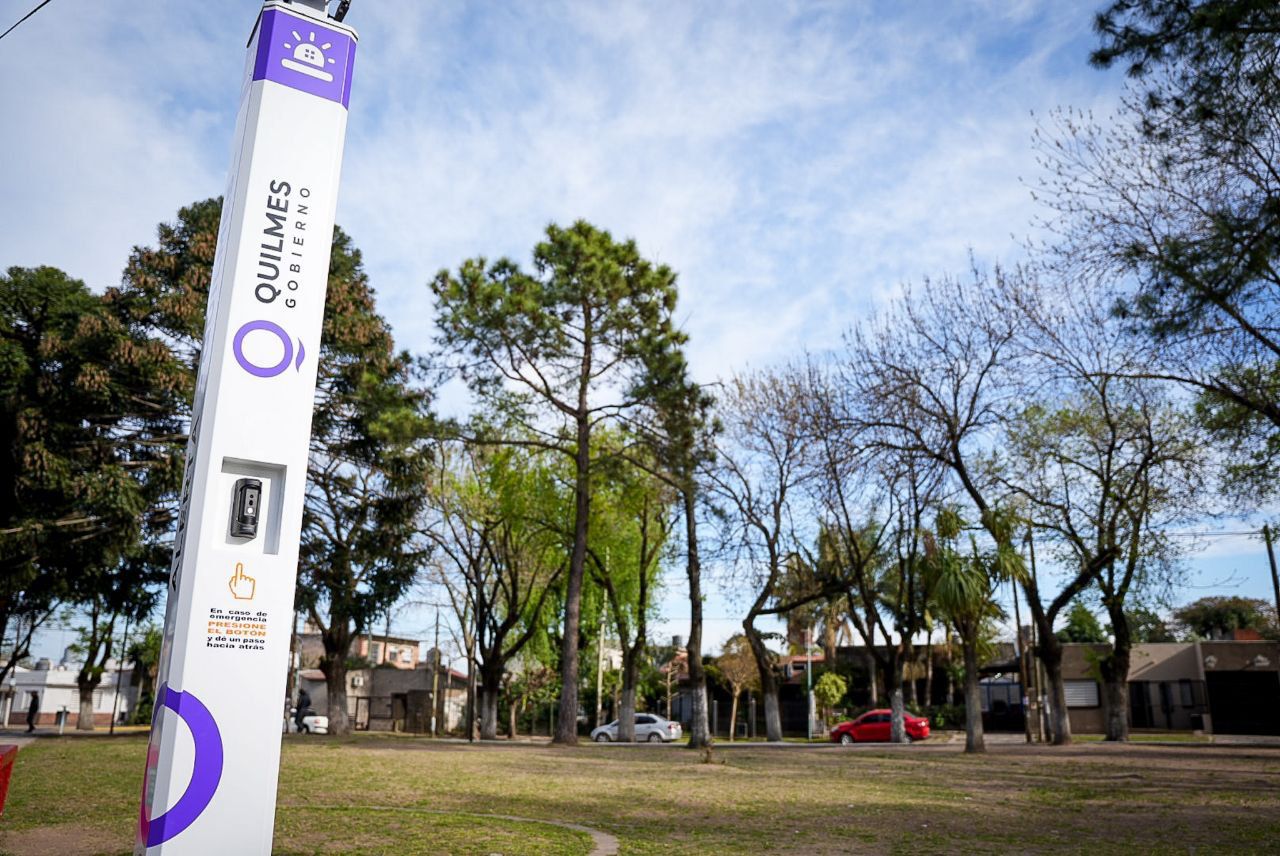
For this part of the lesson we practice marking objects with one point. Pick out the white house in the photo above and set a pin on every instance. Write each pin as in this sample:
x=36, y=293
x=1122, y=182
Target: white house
x=55, y=684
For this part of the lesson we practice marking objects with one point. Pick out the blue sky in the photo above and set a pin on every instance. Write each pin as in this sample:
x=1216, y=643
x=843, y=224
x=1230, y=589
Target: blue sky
x=795, y=162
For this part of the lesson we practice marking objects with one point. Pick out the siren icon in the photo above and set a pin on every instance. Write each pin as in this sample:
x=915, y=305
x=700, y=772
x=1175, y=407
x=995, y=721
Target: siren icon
x=308, y=58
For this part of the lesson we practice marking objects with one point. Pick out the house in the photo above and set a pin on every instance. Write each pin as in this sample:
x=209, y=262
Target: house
x=397, y=651
x=59, y=694
x=1218, y=687
x=795, y=666
x=389, y=698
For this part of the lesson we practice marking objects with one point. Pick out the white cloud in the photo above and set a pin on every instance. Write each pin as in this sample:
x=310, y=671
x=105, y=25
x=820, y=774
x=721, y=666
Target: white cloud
x=94, y=154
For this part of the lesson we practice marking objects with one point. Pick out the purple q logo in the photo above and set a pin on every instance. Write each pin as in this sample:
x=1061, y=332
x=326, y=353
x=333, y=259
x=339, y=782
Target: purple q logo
x=237, y=348
x=206, y=770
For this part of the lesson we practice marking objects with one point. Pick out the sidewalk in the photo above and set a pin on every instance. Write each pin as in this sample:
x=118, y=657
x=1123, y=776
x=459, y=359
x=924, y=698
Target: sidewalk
x=19, y=735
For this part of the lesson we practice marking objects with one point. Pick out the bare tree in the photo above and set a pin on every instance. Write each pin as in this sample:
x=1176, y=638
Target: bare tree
x=760, y=468
x=1174, y=211
x=874, y=498
x=941, y=375
x=1102, y=460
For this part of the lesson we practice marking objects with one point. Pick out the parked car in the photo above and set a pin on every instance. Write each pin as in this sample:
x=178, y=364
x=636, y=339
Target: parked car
x=873, y=726
x=649, y=727
x=312, y=722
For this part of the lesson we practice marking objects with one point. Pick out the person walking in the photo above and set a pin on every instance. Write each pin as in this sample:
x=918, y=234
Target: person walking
x=33, y=710
x=304, y=704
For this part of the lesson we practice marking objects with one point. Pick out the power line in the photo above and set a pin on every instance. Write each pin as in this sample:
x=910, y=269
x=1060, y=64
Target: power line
x=25, y=17
x=1211, y=534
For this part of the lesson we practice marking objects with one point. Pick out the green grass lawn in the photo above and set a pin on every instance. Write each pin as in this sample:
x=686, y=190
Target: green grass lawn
x=381, y=794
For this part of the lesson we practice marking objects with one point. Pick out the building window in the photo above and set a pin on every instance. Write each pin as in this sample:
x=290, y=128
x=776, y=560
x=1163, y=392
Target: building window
x=375, y=651
x=1081, y=693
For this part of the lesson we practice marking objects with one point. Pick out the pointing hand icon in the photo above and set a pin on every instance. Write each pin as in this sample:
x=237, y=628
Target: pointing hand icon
x=241, y=585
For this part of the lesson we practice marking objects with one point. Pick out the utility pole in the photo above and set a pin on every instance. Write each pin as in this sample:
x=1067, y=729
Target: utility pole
x=1271, y=557
x=115, y=701
x=1021, y=650
x=295, y=661
x=671, y=665
x=435, y=674
x=471, y=681
x=386, y=637
x=808, y=675
x=600, y=669
x=1043, y=722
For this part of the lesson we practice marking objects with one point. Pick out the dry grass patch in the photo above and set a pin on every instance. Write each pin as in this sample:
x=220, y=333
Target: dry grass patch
x=376, y=794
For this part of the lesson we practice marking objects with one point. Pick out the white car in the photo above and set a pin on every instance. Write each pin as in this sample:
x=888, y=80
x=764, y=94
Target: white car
x=649, y=728
x=312, y=723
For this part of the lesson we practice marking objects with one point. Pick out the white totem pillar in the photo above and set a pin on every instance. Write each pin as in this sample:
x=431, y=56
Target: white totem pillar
x=214, y=756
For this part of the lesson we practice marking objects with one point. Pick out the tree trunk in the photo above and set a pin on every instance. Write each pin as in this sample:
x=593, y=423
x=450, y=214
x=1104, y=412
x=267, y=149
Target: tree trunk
x=84, y=722
x=513, y=716
x=627, y=707
x=335, y=682
x=829, y=640
x=699, y=733
x=871, y=672
x=733, y=714
x=893, y=687
x=908, y=680
x=490, y=688
x=442, y=693
x=488, y=714
x=973, y=736
x=768, y=682
x=928, y=671
x=627, y=716
x=1115, y=677
x=951, y=664
x=567, y=727
x=89, y=678
x=772, y=718
x=897, y=708
x=1116, y=702
x=337, y=644
x=700, y=720
x=1051, y=656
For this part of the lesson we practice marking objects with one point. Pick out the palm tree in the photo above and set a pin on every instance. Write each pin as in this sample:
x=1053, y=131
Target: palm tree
x=827, y=614
x=964, y=588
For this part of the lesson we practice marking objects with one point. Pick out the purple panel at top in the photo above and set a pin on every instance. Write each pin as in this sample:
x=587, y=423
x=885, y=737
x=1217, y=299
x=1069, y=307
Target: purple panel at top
x=303, y=54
